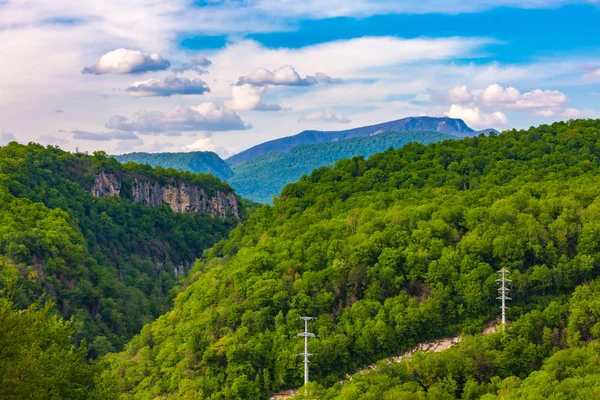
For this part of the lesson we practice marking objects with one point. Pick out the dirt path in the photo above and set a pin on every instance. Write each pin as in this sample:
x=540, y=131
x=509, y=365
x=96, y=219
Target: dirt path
x=436, y=346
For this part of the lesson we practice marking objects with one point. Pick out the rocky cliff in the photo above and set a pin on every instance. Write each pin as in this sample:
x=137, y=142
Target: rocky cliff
x=181, y=197
x=106, y=185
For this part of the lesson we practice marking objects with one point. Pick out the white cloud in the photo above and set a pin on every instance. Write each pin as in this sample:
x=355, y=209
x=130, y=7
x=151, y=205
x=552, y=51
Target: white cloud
x=477, y=119
x=592, y=75
x=247, y=97
x=171, y=85
x=284, y=76
x=454, y=95
x=543, y=103
x=103, y=136
x=324, y=116
x=379, y=71
x=206, y=144
x=198, y=65
x=123, y=61
x=206, y=116
x=574, y=113
x=363, y=8
x=52, y=140
x=511, y=99
x=359, y=55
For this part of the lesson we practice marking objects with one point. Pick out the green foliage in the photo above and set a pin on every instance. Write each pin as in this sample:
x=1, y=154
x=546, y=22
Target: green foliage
x=387, y=253
x=531, y=360
x=262, y=178
x=39, y=361
x=204, y=162
x=109, y=262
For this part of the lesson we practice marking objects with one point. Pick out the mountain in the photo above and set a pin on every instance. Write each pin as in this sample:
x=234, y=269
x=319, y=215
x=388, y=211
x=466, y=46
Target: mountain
x=450, y=126
x=262, y=178
x=389, y=252
x=104, y=242
x=259, y=173
x=205, y=162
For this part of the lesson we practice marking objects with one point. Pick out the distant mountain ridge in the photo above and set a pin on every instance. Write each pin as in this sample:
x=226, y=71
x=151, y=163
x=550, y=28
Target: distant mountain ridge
x=450, y=126
x=262, y=178
x=204, y=162
x=259, y=173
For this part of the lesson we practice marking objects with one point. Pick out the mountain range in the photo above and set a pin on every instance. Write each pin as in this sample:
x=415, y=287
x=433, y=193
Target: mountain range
x=260, y=172
x=203, y=162
x=450, y=126
x=99, y=300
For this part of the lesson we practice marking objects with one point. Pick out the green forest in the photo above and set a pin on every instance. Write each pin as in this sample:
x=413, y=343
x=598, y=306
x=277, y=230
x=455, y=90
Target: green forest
x=262, y=178
x=110, y=263
x=205, y=162
x=385, y=252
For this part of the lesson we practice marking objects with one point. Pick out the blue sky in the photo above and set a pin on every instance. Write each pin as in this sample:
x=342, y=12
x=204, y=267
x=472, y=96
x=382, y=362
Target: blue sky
x=179, y=75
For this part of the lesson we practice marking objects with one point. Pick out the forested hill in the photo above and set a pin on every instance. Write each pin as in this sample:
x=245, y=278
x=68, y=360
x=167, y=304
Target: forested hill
x=446, y=125
x=262, y=178
x=102, y=240
x=205, y=162
x=386, y=253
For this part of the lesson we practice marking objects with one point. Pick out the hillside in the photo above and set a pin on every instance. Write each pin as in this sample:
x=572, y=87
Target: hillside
x=386, y=253
x=204, y=162
x=449, y=126
x=102, y=241
x=550, y=353
x=262, y=178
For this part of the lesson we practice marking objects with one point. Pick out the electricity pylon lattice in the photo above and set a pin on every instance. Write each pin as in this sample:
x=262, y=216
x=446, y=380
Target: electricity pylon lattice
x=306, y=334
x=503, y=290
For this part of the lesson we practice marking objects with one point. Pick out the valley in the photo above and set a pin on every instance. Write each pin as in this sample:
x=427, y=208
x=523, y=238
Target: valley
x=259, y=173
x=300, y=200
x=388, y=253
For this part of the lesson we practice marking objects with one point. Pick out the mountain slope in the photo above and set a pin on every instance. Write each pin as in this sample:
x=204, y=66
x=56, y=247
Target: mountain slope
x=262, y=178
x=103, y=241
x=205, y=162
x=384, y=253
x=450, y=126
x=550, y=353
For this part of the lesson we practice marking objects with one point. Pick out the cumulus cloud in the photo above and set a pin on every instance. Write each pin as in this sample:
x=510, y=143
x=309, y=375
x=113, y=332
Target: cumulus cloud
x=455, y=95
x=543, y=103
x=171, y=85
x=476, y=118
x=284, y=76
x=103, y=136
x=52, y=140
x=207, y=116
x=506, y=98
x=574, y=113
x=124, y=61
x=198, y=65
x=324, y=116
x=511, y=99
x=206, y=144
x=247, y=97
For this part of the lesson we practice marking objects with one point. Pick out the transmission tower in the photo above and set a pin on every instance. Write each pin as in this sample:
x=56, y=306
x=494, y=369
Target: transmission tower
x=306, y=334
x=503, y=293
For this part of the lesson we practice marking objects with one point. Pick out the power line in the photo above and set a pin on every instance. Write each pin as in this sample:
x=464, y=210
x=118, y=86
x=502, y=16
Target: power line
x=306, y=334
x=503, y=293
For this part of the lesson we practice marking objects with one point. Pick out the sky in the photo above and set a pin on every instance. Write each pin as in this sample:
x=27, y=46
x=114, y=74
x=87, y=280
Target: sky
x=208, y=75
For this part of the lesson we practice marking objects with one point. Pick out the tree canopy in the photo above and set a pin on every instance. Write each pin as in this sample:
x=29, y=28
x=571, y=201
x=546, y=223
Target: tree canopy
x=110, y=262
x=386, y=253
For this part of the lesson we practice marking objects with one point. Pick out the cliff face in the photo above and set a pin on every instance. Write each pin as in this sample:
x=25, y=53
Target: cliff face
x=106, y=185
x=179, y=196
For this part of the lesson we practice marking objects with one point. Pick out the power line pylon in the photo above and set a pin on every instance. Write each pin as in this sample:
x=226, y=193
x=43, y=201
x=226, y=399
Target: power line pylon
x=503, y=290
x=306, y=334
